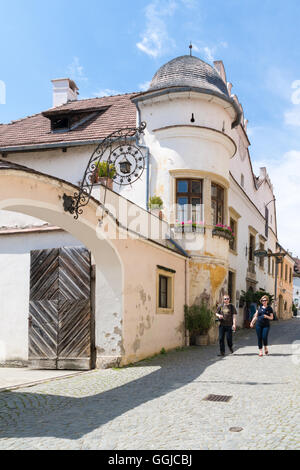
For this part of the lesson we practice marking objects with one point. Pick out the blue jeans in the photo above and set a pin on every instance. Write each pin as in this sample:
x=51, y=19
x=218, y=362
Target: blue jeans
x=262, y=335
x=222, y=331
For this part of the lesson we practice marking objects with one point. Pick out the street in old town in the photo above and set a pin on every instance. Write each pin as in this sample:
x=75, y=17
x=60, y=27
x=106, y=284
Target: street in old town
x=160, y=403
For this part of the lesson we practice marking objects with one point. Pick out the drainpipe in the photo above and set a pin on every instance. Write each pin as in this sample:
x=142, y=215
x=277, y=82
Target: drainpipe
x=147, y=160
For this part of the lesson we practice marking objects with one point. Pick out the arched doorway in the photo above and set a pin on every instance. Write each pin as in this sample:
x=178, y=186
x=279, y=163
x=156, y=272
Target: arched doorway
x=28, y=192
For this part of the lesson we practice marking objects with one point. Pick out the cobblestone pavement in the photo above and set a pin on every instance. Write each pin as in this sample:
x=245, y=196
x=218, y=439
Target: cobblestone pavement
x=158, y=404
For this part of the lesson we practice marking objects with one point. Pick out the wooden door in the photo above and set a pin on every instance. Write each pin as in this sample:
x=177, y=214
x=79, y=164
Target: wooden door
x=60, y=309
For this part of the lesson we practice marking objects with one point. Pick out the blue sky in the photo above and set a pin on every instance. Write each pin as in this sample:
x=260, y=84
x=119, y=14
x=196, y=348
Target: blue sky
x=117, y=46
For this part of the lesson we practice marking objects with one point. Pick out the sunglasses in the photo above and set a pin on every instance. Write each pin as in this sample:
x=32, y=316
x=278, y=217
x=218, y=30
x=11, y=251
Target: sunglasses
x=226, y=298
x=264, y=300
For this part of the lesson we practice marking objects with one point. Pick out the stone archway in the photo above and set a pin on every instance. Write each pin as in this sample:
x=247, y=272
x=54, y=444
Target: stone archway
x=35, y=194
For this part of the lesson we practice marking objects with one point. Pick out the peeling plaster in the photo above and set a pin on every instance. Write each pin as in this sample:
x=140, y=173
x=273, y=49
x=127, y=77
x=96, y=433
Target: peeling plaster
x=136, y=345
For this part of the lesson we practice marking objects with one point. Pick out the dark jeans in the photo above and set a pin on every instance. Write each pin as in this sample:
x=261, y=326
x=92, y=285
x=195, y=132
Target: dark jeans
x=262, y=335
x=222, y=331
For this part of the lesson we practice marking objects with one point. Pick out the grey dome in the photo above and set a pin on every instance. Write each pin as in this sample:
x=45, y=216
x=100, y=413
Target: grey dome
x=189, y=71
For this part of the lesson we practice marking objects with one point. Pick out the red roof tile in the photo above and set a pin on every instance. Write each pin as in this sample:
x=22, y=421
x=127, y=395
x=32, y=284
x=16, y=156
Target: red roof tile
x=34, y=130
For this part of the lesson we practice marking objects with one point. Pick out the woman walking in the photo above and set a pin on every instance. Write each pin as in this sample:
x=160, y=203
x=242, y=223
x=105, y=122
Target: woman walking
x=262, y=319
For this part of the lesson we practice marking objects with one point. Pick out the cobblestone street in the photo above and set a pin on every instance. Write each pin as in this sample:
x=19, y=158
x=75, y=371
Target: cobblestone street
x=158, y=404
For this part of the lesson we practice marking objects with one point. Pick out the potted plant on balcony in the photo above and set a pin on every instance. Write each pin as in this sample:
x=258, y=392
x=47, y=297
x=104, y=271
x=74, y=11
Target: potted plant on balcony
x=223, y=231
x=189, y=226
x=104, y=173
x=198, y=320
x=155, y=205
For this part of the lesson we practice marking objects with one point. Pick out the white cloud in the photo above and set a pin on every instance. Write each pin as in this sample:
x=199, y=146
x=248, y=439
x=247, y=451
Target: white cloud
x=292, y=117
x=144, y=86
x=107, y=92
x=156, y=40
x=285, y=175
x=209, y=52
x=76, y=71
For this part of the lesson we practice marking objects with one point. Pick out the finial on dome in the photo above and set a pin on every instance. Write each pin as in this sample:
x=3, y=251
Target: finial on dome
x=191, y=47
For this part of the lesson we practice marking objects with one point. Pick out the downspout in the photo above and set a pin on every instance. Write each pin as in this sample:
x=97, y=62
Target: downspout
x=147, y=159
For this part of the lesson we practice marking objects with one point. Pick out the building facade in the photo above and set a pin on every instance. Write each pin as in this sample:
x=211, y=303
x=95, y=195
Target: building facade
x=216, y=213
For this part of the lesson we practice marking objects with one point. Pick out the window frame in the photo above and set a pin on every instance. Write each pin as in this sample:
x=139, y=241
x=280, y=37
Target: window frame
x=189, y=195
x=169, y=275
x=215, y=220
x=233, y=241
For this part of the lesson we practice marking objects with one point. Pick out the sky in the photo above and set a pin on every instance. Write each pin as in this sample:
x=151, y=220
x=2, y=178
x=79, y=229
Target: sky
x=116, y=46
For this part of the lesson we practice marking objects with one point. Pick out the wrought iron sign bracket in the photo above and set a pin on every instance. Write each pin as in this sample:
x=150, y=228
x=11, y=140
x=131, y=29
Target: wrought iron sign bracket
x=118, y=157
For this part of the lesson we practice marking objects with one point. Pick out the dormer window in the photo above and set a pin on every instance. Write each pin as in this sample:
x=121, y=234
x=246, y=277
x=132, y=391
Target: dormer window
x=60, y=123
x=67, y=120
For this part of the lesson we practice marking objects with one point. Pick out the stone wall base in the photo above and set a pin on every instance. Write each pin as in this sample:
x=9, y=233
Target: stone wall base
x=106, y=362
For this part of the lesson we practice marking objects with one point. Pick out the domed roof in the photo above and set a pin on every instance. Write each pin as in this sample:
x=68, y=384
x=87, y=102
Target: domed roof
x=189, y=71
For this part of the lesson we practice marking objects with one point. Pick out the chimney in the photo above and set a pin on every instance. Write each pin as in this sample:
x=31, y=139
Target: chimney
x=219, y=66
x=64, y=90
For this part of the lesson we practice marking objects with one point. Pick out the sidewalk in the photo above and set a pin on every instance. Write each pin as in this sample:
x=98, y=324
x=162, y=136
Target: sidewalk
x=15, y=377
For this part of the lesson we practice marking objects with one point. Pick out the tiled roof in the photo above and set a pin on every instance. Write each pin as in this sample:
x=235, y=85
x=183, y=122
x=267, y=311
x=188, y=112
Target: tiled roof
x=189, y=71
x=34, y=130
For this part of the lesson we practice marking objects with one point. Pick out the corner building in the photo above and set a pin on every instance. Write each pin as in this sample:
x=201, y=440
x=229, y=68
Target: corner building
x=196, y=160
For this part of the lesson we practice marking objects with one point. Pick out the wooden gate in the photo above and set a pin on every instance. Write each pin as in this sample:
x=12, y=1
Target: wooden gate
x=60, y=319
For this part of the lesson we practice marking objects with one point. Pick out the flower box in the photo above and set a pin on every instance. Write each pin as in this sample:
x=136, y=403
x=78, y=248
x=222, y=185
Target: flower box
x=223, y=231
x=189, y=227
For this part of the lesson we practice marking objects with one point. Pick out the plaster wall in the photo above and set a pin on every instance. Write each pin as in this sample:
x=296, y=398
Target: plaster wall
x=177, y=108
x=146, y=331
x=250, y=218
x=125, y=267
x=14, y=287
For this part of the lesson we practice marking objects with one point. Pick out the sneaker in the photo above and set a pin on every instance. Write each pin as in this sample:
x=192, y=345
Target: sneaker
x=221, y=354
x=231, y=350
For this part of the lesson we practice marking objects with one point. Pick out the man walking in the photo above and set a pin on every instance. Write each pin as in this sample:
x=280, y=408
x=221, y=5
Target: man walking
x=226, y=314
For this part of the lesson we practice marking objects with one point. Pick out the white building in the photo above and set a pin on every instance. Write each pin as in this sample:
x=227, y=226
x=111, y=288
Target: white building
x=196, y=153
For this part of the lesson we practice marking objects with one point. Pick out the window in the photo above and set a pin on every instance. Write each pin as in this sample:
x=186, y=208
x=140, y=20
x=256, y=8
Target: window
x=165, y=290
x=273, y=268
x=233, y=226
x=242, y=180
x=286, y=273
x=189, y=200
x=60, y=123
x=251, y=247
x=290, y=275
x=261, y=259
x=217, y=204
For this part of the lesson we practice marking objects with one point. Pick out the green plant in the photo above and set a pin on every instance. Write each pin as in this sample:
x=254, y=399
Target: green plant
x=155, y=202
x=103, y=169
x=254, y=297
x=163, y=351
x=224, y=229
x=198, y=319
